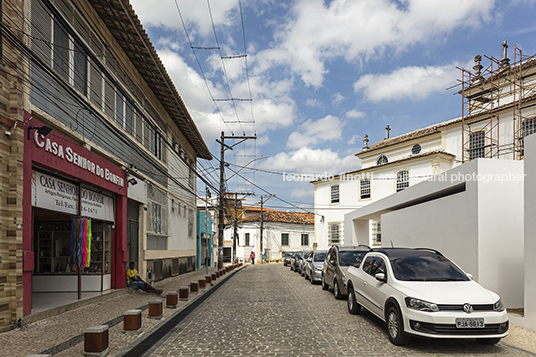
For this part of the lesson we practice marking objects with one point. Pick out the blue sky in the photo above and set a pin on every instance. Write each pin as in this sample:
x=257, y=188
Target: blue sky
x=321, y=74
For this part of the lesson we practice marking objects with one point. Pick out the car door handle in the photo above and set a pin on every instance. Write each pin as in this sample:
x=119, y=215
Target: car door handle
x=365, y=283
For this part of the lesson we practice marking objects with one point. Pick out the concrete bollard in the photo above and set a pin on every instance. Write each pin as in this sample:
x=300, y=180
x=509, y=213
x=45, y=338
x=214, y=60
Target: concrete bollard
x=132, y=321
x=96, y=341
x=184, y=293
x=202, y=283
x=208, y=279
x=214, y=276
x=171, y=300
x=155, y=309
x=194, y=286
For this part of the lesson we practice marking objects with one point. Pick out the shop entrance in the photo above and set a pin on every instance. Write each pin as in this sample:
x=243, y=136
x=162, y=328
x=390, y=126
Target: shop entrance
x=52, y=244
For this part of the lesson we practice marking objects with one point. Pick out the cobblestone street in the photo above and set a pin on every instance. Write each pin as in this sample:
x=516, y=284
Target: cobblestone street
x=267, y=310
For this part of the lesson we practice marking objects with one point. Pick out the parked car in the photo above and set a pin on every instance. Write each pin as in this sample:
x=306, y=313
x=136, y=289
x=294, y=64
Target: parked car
x=314, y=264
x=286, y=258
x=294, y=261
x=336, y=264
x=302, y=261
x=421, y=292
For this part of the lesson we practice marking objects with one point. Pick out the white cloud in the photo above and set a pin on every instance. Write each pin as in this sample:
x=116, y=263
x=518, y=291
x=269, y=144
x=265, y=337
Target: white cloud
x=195, y=14
x=355, y=114
x=302, y=192
x=353, y=140
x=314, y=161
x=408, y=82
x=313, y=132
x=357, y=30
x=337, y=99
x=313, y=103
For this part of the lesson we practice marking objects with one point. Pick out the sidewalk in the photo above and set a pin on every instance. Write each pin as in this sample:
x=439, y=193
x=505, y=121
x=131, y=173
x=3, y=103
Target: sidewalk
x=62, y=335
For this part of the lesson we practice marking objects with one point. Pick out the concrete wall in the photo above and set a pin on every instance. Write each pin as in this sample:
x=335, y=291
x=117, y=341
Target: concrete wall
x=480, y=228
x=530, y=235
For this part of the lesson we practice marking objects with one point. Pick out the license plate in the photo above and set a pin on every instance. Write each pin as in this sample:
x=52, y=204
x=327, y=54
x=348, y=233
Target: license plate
x=469, y=323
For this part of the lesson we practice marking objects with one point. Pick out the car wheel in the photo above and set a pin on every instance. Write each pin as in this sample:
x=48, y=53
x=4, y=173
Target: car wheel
x=488, y=341
x=324, y=285
x=395, y=327
x=353, y=307
x=336, y=291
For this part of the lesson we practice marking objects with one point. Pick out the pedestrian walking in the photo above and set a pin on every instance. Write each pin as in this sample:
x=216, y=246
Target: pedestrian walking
x=252, y=256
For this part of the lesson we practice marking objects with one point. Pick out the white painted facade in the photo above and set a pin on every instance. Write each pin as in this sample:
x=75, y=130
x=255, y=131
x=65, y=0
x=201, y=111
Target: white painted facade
x=272, y=238
x=440, y=147
x=476, y=223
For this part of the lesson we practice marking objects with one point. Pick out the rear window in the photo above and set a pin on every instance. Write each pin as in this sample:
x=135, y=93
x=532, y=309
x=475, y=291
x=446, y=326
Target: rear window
x=351, y=257
x=426, y=268
x=319, y=257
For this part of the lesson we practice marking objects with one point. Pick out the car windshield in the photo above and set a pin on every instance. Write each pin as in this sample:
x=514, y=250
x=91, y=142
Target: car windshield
x=319, y=257
x=351, y=257
x=298, y=255
x=426, y=268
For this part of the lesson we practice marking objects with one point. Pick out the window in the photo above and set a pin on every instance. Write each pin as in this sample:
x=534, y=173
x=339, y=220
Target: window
x=191, y=222
x=119, y=108
x=157, y=218
x=69, y=59
x=191, y=175
x=378, y=266
x=364, y=188
x=416, y=149
x=402, y=180
x=477, y=143
x=382, y=160
x=305, y=239
x=335, y=194
x=528, y=126
x=367, y=264
x=377, y=232
x=334, y=233
x=246, y=238
x=284, y=239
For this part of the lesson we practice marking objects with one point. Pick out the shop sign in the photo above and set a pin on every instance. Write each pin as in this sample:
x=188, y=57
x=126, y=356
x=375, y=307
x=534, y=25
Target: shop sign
x=58, y=195
x=72, y=157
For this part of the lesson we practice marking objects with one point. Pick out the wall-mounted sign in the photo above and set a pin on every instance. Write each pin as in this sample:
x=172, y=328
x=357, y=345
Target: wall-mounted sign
x=58, y=195
x=72, y=157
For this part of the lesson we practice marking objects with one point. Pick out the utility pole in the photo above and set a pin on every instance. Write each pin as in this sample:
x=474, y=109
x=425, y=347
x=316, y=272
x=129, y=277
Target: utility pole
x=262, y=224
x=235, y=221
x=221, y=222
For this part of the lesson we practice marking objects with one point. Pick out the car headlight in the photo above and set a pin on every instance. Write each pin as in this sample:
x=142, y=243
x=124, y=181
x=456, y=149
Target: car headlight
x=318, y=268
x=498, y=306
x=421, y=305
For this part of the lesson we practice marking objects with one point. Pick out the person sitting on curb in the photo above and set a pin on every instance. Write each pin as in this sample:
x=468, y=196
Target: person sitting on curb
x=134, y=281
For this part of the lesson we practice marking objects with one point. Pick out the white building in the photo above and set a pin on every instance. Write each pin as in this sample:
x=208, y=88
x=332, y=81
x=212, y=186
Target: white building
x=283, y=231
x=500, y=114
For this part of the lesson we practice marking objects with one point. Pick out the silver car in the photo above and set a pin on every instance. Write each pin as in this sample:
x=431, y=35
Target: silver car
x=314, y=265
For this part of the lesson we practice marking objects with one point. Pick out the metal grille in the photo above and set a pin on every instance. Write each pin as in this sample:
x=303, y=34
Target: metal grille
x=402, y=180
x=364, y=188
x=477, y=143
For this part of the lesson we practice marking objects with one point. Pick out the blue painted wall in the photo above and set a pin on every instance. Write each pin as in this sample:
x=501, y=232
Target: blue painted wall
x=201, y=232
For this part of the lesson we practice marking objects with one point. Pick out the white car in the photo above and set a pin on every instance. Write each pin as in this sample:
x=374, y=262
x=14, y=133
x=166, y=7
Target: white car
x=420, y=292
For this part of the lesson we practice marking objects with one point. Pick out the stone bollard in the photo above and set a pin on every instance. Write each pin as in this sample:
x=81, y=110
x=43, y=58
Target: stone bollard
x=194, y=286
x=184, y=293
x=171, y=300
x=132, y=321
x=202, y=283
x=213, y=276
x=208, y=279
x=155, y=309
x=96, y=341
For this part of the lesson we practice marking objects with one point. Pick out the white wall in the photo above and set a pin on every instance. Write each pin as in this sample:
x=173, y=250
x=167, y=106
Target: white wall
x=271, y=237
x=530, y=235
x=480, y=228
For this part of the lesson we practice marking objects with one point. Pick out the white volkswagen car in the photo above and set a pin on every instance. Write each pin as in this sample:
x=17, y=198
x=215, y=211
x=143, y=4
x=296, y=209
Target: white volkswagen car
x=421, y=292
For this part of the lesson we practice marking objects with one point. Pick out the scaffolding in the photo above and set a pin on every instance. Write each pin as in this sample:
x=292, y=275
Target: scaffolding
x=494, y=98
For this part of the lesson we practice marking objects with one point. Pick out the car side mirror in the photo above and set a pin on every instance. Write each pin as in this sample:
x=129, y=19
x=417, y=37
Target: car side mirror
x=470, y=276
x=380, y=277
